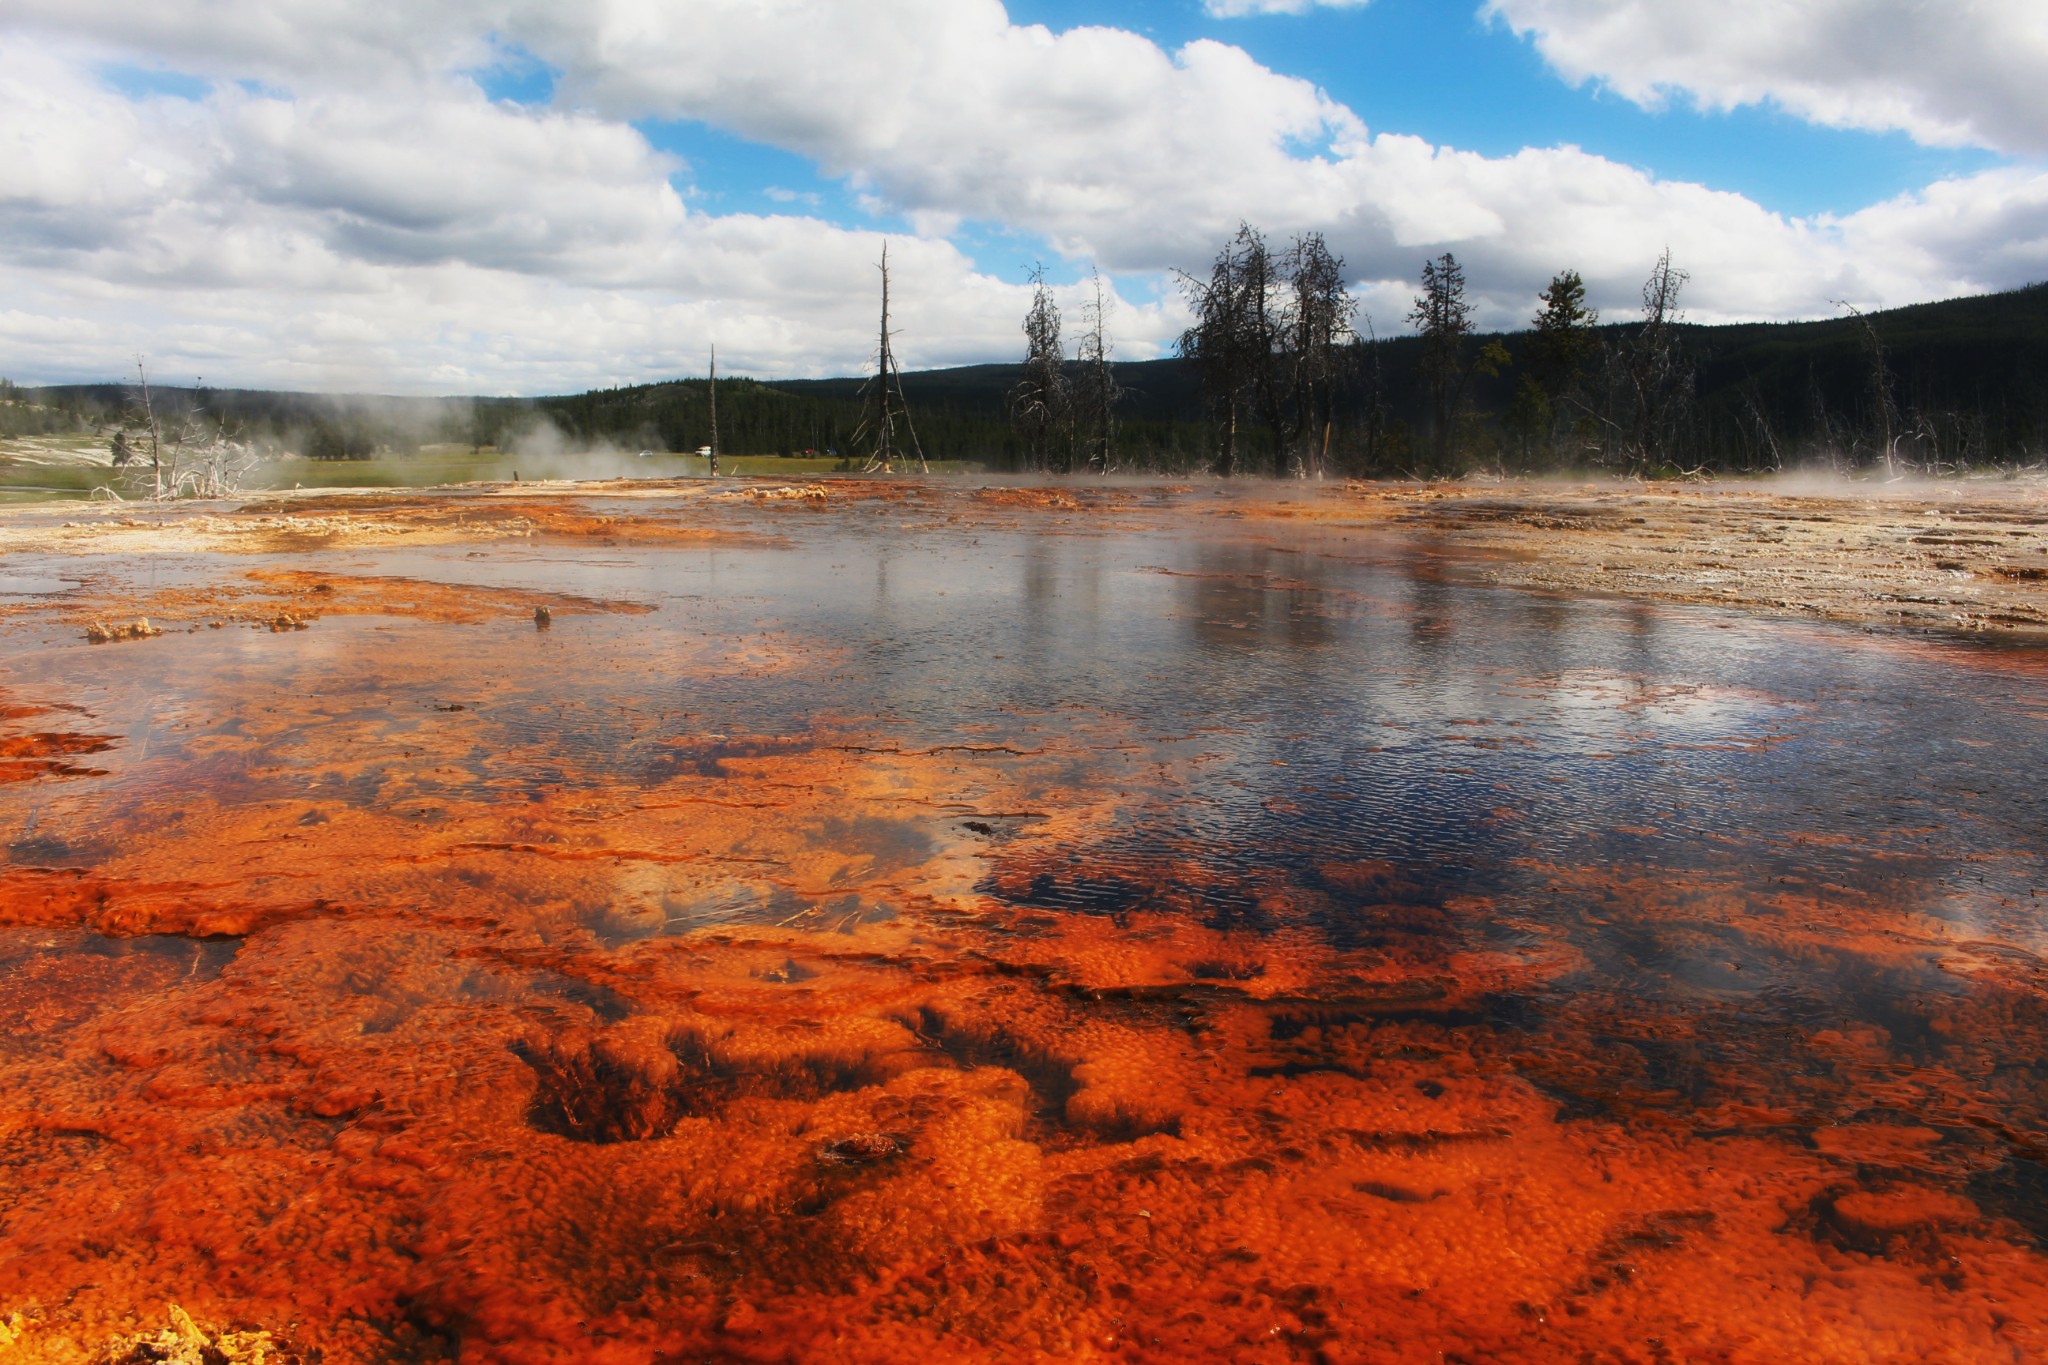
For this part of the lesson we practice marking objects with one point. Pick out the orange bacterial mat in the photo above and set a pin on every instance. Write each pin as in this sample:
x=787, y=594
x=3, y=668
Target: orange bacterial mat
x=1012, y=927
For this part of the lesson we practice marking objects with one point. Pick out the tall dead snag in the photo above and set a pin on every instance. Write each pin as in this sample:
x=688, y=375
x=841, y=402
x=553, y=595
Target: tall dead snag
x=713, y=386
x=1317, y=329
x=149, y=432
x=1095, y=388
x=1263, y=340
x=884, y=409
x=1231, y=343
x=1656, y=382
x=1364, y=364
x=1039, y=405
x=1885, y=407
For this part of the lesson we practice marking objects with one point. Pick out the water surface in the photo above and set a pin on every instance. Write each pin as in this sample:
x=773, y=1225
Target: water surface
x=962, y=929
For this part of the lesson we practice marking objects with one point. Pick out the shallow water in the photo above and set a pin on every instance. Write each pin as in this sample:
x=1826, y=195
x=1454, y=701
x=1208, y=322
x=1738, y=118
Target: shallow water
x=955, y=929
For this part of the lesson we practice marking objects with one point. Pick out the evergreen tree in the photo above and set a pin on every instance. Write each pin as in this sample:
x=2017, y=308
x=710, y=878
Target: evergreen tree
x=1561, y=349
x=1444, y=319
x=1564, y=343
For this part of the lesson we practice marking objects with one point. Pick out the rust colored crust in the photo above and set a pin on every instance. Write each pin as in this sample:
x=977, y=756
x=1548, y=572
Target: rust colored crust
x=293, y=599
x=773, y=1054
x=45, y=753
x=674, y=1075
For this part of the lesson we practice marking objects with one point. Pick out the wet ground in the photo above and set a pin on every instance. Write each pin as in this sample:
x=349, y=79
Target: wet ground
x=881, y=922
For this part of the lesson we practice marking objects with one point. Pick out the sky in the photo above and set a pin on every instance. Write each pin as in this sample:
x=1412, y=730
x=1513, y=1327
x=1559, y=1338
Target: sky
x=537, y=196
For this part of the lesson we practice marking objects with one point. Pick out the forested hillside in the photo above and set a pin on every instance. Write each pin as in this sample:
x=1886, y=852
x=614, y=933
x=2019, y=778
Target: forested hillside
x=1957, y=384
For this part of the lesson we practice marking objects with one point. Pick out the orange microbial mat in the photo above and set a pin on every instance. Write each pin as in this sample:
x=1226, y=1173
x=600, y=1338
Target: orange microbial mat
x=924, y=925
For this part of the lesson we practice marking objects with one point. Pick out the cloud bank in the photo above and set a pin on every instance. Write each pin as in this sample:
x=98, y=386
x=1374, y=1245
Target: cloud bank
x=1958, y=73
x=343, y=207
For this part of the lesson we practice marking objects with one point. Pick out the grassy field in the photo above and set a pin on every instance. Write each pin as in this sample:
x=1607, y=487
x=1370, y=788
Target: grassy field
x=38, y=476
x=39, y=482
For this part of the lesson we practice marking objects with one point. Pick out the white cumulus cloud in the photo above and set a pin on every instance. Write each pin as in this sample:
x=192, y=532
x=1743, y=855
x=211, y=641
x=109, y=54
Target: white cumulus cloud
x=1955, y=73
x=346, y=207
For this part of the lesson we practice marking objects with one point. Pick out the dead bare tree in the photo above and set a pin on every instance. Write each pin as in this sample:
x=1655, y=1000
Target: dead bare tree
x=1654, y=380
x=143, y=430
x=1231, y=343
x=1884, y=407
x=884, y=405
x=1095, y=390
x=1317, y=326
x=1264, y=341
x=141, y=418
x=1040, y=405
x=712, y=380
x=216, y=462
x=1752, y=410
x=1363, y=365
x=201, y=457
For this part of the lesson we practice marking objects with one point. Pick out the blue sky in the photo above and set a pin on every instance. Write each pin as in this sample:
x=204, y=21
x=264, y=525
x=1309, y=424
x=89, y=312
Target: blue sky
x=1441, y=71
x=524, y=195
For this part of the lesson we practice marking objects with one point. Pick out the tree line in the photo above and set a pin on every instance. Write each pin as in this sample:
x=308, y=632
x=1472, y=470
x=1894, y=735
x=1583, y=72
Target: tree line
x=1272, y=342
x=1276, y=347
x=1280, y=373
x=1275, y=341
x=1269, y=345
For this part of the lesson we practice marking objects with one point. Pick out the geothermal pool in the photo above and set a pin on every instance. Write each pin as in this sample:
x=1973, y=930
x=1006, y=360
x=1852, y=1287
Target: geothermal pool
x=971, y=925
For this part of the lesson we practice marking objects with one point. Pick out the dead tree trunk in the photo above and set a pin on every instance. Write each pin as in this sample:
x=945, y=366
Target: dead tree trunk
x=1231, y=343
x=1097, y=387
x=152, y=429
x=1887, y=408
x=1317, y=325
x=1041, y=405
x=884, y=403
x=1658, y=380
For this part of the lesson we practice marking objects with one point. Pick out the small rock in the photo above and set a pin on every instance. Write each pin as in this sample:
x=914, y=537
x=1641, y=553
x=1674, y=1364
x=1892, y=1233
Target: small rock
x=100, y=633
x=185, y=1342
x=542, y=618
x=858, y=1149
